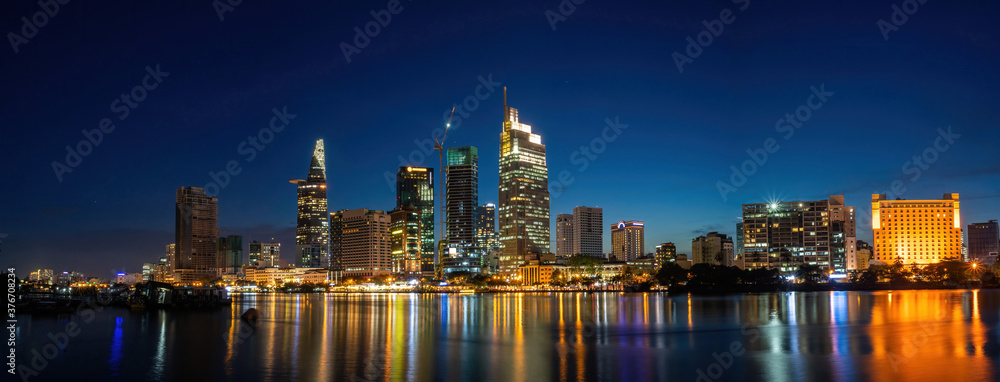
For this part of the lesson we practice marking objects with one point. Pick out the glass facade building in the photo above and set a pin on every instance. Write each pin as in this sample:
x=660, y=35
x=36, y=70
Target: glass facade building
x=523, y=193
x=415, y=191
x=312, y=232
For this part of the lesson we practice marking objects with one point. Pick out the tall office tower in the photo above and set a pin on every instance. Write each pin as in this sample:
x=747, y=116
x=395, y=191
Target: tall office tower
x=627, y=240
x=984, y=242
x=312, y=231
x=366, y=242
x=487, y=239
x=266, y=254
x=462, y=190
x=404, y=227
x=564, y=235
x=415, y=191
x=786, y=235
x=713, y=248
x=665, y=253
x=230, y=258
x=171, y=260
x=863, y=257
x=588, y=231
x=523, y=191
x=196, y=231
x=917, y=232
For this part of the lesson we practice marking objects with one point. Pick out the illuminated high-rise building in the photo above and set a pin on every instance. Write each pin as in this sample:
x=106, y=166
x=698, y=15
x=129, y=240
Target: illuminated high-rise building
x=196, y=232
x=405, y=233
x=665, y=253
x=916, y=232
x=564, y=235
x=984, y=242
x=628, y=240
x=415, y=191
x=524, y=193
x=588, y=231
x=171, y=260
x=312, y=231
x=265, y=255
x=365, y=242
x=487, y=239
x=462, y=204
x=786, y=235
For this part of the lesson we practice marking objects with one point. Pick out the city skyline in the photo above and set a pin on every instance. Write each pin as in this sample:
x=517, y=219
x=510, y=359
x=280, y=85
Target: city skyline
x=677, y=195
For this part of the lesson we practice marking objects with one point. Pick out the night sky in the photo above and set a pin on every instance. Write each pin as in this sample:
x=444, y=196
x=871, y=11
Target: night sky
x=606, y=60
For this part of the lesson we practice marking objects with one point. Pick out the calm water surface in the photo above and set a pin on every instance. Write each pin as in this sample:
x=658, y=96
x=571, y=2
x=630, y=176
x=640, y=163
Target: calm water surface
x=835, y=336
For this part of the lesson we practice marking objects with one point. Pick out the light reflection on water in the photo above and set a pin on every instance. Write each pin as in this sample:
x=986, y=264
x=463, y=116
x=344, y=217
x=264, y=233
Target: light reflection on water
x=841, y=336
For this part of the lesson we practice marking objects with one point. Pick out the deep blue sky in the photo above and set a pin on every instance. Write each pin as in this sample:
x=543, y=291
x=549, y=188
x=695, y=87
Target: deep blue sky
x=606, y=60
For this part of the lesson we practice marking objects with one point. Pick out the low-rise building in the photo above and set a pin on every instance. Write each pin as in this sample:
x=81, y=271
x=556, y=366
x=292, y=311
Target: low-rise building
x=275, y=276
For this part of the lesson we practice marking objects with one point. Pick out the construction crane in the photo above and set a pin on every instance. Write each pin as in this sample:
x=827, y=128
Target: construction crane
x=439, y=146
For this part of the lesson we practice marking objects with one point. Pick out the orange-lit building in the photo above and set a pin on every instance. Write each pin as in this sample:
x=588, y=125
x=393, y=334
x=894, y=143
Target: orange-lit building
x=917, y=232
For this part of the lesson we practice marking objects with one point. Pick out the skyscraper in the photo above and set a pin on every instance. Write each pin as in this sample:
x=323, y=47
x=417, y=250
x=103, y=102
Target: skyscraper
x=405, y=232
x=196, y=232
x=462, y=190
x=588, y=231
x=265, y=254
x=415, y=191
x=786, y=235
x=230, y=257
x=312, y=231
x=628, y=240
x=523, y=191
x=171, y=261
x=916, y=232
x=564, y=235
x=984, y=242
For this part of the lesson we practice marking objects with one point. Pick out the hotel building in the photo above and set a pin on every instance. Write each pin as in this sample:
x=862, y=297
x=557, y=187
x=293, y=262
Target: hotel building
x=627, y=240
x=365, y=242
x=916, y=232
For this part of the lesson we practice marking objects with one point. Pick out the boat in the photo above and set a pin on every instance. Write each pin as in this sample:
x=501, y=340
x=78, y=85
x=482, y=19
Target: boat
x=467, y=291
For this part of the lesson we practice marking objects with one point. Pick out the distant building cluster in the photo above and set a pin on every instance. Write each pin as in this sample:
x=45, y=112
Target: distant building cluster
x=511, y=238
